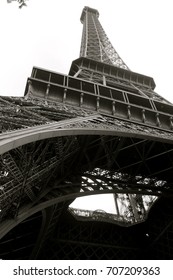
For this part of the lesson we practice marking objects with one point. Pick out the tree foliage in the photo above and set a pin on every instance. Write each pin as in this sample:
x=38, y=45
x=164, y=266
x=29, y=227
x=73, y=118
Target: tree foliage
x=21, y=3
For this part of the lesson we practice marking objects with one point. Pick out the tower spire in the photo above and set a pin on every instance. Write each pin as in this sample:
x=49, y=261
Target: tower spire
x=95, y=44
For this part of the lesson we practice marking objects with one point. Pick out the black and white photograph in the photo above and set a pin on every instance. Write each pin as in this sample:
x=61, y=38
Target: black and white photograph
x=86, y=134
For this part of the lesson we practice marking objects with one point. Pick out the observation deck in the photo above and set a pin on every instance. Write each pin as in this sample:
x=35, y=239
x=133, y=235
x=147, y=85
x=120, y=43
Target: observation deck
x=88, y=9
x=115, y=101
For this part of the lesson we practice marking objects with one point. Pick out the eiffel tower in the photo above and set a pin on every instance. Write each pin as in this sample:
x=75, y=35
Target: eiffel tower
x=101, y=129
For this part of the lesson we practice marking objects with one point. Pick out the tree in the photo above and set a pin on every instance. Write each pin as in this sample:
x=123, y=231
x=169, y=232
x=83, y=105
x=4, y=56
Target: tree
x=22, y=3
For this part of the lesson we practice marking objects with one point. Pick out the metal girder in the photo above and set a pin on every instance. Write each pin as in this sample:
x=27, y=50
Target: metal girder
x=95, y=44
x=46, y=164
x=73, y=239
x=28, y=176
x=99, y=240
x=93, y=124
x=100, y=129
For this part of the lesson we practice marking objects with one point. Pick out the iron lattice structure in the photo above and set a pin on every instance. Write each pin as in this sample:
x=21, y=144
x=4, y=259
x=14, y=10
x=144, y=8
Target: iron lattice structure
x=100, y=129
x=95, y=43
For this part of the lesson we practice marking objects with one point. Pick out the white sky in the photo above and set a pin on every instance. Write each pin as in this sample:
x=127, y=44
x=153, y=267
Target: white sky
x=96, y=202
x=47, y=34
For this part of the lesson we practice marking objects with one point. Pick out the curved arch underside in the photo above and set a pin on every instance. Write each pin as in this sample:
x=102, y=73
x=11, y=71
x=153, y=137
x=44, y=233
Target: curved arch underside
x=53, y=163
x=70, y=239
x=94, y=124
x=48, y=171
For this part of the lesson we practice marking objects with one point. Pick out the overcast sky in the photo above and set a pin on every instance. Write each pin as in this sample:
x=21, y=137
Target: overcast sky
x=47, y=34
